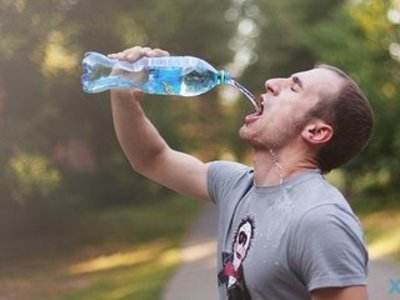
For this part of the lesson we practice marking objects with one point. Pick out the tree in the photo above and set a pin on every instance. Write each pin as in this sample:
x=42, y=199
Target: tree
x=362, y=39
x=45, y=116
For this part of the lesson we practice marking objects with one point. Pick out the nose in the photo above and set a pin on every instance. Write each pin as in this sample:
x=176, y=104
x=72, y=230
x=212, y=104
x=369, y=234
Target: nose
x=275, y=85
x=272, y=86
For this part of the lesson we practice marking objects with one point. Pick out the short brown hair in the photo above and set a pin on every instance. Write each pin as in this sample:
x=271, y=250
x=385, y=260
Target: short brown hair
x=351, y=116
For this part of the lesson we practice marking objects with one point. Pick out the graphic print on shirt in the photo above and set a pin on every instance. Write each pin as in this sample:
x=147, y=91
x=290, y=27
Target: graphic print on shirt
x=232, y=274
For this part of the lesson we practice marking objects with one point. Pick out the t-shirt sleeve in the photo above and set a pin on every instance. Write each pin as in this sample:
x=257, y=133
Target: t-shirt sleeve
x=222, y=176
x=328, y=250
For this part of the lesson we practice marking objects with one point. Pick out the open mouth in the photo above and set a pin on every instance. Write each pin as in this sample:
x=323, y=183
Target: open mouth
x=257, y=114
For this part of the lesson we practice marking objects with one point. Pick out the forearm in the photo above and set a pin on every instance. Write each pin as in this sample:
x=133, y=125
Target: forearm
x=137, y=136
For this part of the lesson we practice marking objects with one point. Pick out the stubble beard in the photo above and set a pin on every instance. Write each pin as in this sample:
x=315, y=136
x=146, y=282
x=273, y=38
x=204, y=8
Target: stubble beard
x=276, y=139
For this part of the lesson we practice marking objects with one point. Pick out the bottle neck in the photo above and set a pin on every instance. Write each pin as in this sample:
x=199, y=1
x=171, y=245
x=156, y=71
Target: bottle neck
x=224, y=77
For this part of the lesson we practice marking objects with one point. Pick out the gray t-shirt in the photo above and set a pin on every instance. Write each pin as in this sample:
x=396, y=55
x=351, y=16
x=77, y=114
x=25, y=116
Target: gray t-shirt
x=281, y=242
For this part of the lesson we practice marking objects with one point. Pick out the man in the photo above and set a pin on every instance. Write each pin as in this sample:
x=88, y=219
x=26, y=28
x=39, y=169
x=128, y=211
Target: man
x=284, y=232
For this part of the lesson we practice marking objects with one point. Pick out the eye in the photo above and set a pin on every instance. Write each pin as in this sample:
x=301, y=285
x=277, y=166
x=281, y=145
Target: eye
x=297, y=84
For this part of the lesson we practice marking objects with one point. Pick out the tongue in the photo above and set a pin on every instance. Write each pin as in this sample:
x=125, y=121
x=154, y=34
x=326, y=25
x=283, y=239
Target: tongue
x=255, y=115
x=252, y=117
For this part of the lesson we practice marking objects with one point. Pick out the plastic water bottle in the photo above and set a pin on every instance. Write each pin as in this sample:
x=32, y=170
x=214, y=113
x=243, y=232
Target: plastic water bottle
x=167, y=75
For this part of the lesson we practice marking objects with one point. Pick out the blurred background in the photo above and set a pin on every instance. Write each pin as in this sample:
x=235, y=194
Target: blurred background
x=75, y=221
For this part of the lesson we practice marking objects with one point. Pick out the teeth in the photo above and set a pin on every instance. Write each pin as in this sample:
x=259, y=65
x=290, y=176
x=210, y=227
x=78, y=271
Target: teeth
x=261, y=109
x=259, y=102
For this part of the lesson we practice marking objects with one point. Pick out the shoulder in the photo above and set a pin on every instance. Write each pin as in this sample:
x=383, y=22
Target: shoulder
x=329, y=215
x=225, y=178
x=317, y=197
x=227, y=170
x=324, y=212
x=227, y=165
x=331, y=225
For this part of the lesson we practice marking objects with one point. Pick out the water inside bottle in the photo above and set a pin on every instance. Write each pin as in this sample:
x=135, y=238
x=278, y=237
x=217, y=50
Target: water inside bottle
x=164, y=76
x=249, y=95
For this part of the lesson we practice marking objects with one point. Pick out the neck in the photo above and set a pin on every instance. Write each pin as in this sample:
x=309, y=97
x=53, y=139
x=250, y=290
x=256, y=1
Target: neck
x=272, y=167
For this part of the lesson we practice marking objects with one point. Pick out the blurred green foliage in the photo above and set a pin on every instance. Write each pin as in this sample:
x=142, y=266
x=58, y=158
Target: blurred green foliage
x=58, y=149
x=369, y=35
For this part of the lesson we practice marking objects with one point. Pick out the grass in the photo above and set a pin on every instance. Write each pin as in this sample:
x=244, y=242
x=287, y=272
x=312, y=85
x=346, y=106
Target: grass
x=128, y=280
x=120, y=253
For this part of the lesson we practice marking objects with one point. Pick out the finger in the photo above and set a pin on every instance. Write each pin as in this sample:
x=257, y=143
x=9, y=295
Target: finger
x=133, y=49
x=146, y=49
x=132, y=54
x=157, y=52
x=123, y=55
x=165, y=52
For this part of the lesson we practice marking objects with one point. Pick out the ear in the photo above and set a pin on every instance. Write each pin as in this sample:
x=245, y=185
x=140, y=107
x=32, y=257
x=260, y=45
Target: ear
x=317, y=132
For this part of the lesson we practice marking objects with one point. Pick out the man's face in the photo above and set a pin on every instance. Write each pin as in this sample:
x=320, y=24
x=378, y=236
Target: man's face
x=285, y=103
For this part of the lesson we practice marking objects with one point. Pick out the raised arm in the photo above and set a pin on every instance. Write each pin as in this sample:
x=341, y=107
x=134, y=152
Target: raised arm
x=146, y=150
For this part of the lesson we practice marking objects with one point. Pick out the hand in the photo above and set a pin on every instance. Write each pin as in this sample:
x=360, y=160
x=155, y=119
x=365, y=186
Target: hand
x=131, y=55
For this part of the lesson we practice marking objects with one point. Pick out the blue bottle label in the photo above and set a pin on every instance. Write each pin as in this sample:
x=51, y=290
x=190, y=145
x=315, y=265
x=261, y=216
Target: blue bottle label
x=166, y=81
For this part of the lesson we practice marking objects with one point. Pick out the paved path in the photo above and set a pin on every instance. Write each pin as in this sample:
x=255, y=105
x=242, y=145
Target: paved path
x=196, y=277
x=381, y=273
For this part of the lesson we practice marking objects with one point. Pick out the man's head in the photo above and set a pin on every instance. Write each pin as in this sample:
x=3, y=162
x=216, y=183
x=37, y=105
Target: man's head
x=322, y=109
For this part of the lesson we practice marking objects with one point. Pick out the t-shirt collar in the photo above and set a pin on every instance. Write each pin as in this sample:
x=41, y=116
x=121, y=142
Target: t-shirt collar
x=290, y=181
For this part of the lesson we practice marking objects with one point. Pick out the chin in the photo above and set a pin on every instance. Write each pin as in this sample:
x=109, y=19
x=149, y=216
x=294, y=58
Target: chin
x=248, y=137
x=244, y=133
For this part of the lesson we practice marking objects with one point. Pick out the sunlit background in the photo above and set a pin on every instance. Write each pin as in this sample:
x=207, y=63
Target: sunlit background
x=75, y=221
